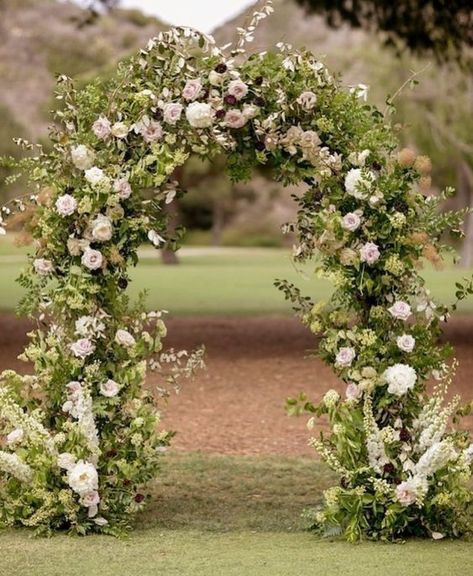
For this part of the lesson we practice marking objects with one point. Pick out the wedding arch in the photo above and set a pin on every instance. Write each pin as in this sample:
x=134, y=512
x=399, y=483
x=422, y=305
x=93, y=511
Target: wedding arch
x=82, y=435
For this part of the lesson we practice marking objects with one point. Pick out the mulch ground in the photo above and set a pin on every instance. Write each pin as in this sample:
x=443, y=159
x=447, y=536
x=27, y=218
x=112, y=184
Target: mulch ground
x=236, y=405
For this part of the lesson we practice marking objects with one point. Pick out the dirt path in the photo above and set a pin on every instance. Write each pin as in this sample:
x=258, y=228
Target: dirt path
x=236, y=405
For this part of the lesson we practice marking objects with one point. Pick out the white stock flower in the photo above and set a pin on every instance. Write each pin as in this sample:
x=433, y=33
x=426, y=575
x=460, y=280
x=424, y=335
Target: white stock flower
x=83, y=477
x=238, y=89
x=15, y=436
x=66, y=205
x=199, y=115
x=42, y=266
x=92, y=259
x=369, y=253
x=122, y=187
x=358, y=182
x=351, y=221
x=406, y=342
x=192, y=90
x=172, y=112
x=82, y=157
x=82, y=348
x=434, y=458
x=400, y=379
x=124, y=338
x=400, y=310
x=345, y=356
x=102, y=127
x=102, y=229
x=307, y=100
x=109, y=388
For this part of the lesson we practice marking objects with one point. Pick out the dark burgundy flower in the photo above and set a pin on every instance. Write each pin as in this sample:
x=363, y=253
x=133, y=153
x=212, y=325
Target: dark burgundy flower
x=344, y=482
x=404, y=435
x=112, y=453
x=122, y=283
x=259, y=101
x=139, y=498
x=397, y=480
x=230, y=99
x=220, y=113
x=259, y=80
x=376, y=166
x=260, y=146
x=221, y=68
x=388, y=468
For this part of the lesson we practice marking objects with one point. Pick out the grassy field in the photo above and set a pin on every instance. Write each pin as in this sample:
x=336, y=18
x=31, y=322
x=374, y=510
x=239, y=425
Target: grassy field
x=222, y=281
x=228, y=516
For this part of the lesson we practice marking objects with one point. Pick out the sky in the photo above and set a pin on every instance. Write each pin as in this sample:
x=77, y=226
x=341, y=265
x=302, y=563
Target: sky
x=204, y=15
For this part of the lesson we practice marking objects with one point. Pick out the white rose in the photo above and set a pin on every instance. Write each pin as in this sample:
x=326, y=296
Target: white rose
x=235, y=119
x=83, y=477
x=92, y=259
x=400, y=379
x=238, y=89
x=406, y=343
x=95, y=176
x=172, y=112
x=215, y=78
x=123, y=188
x=102, y=127
x=102, y=229
x=400, y=310
x=192, y=89
x=353, y=392
x=82, y=157
x=351, y=221
x=42, y=266
x=66, y=460
x=66, y=205
x=109, y=388
x=345, y=356
x=307, y=100
x=369, y=253
x=120, y=130
x=82, y=348
x=124, y=338
x=15, y=436
x=357, y=182
x=199, y=115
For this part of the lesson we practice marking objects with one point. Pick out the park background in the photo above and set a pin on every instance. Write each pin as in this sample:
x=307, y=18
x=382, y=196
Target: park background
x=239, y=472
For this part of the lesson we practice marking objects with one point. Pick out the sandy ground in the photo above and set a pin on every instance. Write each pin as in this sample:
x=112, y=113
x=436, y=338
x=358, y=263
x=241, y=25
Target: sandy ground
x=236, y=405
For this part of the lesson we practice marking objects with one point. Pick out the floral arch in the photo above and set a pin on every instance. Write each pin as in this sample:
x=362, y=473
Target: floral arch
x=82, y=436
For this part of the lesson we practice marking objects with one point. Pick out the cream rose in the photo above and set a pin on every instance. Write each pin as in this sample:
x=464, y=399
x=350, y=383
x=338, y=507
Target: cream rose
x=238, y=89
x=351, y=221
x=172, y=112
x=120, y=130
x=92, y=259
x=109, y=388
x=82, y=157
x=124, y=338
x=102, y=229
x=192, y=89
x=235, y=118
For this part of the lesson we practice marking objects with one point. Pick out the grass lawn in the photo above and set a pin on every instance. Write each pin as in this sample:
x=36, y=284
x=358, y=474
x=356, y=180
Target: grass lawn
x=222, y=281
x=228, y=516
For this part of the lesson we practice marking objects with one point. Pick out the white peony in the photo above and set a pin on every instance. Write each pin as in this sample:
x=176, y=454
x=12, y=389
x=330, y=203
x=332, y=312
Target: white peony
x=15, y=436
x=345, y=356
x=358, y=182
x=120, y=130
x=238, y=89
x=102, y=127
x=172, y=112
x=369, y=253
x=82, y=157
x=400, y=379
x=42, y=266
x=411, y=490
x=102, y=229
x=82, y=348
x=351, y=221
x=406, y=342
x=66, y=205
x=96, y=176
x=83, y=477
x=92, y=259
x=123, y=188
x=109, y=388
x=400, y=310
x=199, y=115
x=192, y=90
x=124, y=338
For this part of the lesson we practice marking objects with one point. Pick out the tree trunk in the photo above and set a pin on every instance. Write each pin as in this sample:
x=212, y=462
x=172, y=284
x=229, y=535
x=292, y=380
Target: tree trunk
x=465, y=189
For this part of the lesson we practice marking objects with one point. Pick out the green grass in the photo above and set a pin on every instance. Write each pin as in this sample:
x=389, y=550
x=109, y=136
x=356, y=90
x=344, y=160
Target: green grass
x=228, y=516
x=227, y=281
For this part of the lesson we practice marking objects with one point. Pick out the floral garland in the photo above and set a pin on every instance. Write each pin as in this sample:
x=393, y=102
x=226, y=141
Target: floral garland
x=82, y=436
